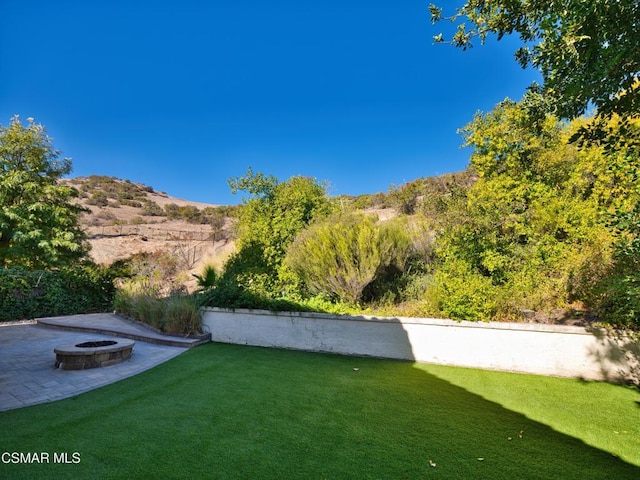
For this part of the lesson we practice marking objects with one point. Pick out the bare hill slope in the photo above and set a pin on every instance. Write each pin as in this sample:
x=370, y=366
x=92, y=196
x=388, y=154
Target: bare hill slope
x=125, y=218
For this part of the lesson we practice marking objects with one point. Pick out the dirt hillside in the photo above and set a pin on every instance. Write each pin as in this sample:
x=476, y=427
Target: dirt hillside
x=126, y=218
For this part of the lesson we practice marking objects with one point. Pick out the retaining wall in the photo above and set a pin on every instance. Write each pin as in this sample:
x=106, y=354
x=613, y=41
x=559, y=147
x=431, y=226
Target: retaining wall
x=517, y=347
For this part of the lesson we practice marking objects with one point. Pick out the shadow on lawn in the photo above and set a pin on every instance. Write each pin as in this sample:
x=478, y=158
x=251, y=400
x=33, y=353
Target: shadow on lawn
x=229, y=411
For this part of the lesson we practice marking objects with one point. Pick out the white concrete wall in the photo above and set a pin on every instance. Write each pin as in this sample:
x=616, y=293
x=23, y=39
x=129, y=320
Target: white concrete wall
x=529, y=348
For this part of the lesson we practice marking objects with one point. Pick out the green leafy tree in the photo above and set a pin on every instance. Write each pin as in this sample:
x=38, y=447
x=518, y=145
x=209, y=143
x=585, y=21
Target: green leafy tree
x=38, y=221
x=588, y=52
x=343, y=254
x=617, y=295
x=268, y=222
x=277, y=211
x=533, y=232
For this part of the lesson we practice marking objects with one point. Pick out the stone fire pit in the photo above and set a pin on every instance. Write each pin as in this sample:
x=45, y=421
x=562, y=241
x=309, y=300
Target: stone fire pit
x=93, y=354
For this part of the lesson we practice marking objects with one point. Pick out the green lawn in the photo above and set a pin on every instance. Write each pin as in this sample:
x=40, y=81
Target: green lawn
x=225, y=411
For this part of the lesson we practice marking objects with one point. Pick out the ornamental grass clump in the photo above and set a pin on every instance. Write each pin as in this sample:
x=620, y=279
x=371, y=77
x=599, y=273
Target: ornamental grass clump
x=181, y=315
x=177, y=313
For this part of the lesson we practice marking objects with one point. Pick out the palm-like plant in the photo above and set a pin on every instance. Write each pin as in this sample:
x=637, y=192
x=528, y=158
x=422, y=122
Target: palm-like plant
x=208, y=279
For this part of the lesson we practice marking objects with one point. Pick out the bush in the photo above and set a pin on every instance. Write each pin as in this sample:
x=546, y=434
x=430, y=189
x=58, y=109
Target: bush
x=99, y=199
x=618, y=304
x=44, y=293
x=152, y=209
x=128, y=203
x=343, y=254
x=464, y=294
x=229, y=294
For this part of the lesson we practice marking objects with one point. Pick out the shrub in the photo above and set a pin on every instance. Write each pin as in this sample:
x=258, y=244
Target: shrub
x=128, y=203
x=343, y=254
x=152, y=273
x=273, y=216
x=148, y=309
x=367, y=200
x=229, y=294
x=188, y=213
x=208, y=278
x=152, y=209
x=99, y=199
x=464, y=294
x=43, y=293
x=404, y=197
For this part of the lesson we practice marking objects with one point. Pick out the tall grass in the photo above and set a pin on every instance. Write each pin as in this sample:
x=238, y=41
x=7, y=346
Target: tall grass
x=177, y=313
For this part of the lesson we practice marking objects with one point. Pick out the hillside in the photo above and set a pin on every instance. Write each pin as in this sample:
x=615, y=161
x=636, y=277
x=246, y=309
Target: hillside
x=126, y=218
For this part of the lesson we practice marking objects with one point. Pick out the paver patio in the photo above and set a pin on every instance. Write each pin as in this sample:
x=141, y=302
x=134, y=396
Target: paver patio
x=27, y=372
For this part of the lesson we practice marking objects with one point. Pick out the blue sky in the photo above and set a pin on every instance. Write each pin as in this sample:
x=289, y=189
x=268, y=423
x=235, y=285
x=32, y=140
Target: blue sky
x=183, y=95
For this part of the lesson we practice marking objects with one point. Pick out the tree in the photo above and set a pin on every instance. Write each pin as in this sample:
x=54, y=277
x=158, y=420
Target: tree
x=534, y=231
x=39, y=224
x=269, y=220
x=277, y=211
x=587, y=51
x=618, y=295
x=343, y=254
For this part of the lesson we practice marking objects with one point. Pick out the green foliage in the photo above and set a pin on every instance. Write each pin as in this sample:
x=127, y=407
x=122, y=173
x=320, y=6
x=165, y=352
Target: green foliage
x=256, y=184
x=152, y=209
x=396, y=283
x=533, y=224
x=587, y=52
x=248, y=269
x=404, y=198
x=113, y=188
x=143, y=307
x=268, y=222
x=208, y=279
x=98, y=199
x=182, y=315
x=216, y=217
x=277, y=211
x=617, y=296
x=364, y=201
x=39, y=293
x=343, y=254
x=176, y=313
x=192, y=214
x=465, y=294
x=39, y=224
x=231, y=294
x=430, y=195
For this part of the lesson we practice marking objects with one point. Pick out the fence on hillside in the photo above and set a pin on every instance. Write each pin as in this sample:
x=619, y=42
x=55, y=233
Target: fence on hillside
x=155, y=233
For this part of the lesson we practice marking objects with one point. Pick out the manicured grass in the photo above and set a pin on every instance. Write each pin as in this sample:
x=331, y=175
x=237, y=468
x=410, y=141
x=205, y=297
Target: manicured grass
x=224, y=411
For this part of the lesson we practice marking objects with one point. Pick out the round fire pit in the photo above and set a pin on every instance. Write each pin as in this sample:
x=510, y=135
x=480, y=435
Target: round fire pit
x=93, y=354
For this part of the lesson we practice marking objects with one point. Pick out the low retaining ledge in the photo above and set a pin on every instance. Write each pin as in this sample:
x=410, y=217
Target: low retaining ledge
x=516, y=347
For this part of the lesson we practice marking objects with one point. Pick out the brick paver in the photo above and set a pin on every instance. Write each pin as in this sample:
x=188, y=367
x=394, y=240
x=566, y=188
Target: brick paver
x=28, y=375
